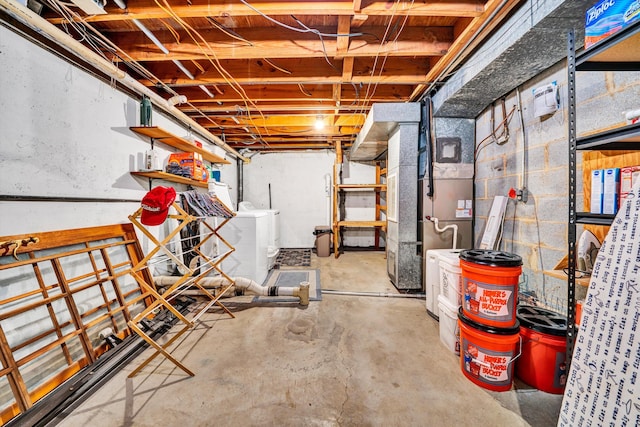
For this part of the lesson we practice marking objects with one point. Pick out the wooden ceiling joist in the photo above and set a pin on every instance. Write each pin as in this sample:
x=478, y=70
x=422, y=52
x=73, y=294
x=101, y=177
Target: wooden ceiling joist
x=150, y=9
x=262, y=72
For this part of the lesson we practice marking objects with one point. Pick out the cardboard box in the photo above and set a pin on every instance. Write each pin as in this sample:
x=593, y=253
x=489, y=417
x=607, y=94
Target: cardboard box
x=597, y=184
x=611, y=193
x=608, y=17
x=629, y=176
x=191, y=161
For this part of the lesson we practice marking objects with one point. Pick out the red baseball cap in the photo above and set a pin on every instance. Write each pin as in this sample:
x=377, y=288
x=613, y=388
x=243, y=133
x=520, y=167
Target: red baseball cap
x=155, y=205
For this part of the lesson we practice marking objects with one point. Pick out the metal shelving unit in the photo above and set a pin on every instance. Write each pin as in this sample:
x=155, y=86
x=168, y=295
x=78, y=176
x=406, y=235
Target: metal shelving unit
x=618, y=52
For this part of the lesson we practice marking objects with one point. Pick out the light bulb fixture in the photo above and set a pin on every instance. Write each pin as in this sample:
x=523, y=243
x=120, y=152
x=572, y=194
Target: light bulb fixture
x=177, y=99
x=319, y=124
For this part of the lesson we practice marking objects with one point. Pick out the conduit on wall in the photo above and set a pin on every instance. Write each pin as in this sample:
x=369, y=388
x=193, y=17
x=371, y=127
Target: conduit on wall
x=43, y=27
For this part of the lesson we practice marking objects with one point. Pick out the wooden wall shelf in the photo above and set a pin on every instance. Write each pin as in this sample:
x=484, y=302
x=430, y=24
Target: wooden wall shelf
x=171, y=177
x=168, y=138
x=362, y=223
x=377, y=187
x=561, y=274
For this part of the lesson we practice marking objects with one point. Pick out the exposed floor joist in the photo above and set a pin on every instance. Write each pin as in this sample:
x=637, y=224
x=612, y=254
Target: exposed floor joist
x=261, y=74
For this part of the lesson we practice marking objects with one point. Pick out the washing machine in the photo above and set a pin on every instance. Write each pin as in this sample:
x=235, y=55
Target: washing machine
x=248, y=233
x=274, y=230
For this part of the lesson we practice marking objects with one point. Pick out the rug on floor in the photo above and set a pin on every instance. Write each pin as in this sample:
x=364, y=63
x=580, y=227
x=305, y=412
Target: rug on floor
x=294, y=257
x=292, y=278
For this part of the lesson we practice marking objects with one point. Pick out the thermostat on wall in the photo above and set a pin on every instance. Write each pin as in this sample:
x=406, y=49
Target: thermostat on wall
x=546, y=100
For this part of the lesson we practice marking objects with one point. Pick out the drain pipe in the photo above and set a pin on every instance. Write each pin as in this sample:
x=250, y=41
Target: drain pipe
x=443, y=229
x=244, y=284
x=240, y=166
x=42, y=26
x=373, y=294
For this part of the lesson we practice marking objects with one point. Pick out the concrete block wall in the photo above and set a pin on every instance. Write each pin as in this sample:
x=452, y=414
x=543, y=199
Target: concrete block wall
x=537, y=230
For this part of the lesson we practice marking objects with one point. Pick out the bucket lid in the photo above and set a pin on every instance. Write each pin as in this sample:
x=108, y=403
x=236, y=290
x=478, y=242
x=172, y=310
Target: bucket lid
x=491, y=258
x=515, y=329
x=542, y=320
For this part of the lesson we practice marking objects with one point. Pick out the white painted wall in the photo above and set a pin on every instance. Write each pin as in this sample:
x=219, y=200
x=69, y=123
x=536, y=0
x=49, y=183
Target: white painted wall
x=63, y=133
x=301, y=188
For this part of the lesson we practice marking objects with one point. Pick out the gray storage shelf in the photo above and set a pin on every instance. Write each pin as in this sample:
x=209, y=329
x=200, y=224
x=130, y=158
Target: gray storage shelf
x=618, y=52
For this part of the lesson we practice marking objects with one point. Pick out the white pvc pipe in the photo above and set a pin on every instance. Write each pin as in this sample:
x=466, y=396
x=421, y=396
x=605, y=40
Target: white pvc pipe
x=44, y=27
x=243, y=283
x=443, y=229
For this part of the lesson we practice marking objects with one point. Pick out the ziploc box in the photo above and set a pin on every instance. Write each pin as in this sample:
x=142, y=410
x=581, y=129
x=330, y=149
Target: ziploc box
x=607, y=17
x=597, y=188
x=611, y=191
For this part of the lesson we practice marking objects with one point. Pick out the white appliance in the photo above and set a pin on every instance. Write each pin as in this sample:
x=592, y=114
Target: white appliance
x=274, y=229
x=248, y=233
x=432, y=276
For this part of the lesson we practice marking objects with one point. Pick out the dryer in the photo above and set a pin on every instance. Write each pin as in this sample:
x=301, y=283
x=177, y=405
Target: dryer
x=274, y=229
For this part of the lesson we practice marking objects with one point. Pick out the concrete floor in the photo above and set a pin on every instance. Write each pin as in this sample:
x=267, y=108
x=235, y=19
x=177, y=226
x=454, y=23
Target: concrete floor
x=343, y=361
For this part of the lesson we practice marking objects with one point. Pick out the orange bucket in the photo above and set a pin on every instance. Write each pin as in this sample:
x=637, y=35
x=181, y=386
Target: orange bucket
x=490, y=286
x=544, y=344
x=487, y=353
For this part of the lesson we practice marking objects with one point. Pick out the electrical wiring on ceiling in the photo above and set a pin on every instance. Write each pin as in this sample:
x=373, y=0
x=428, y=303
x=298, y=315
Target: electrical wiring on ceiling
x=75, y=21
x=303, y=90
x=172, y=30
x=276, y=67
x=364, y=94
x=370, y=91
x=300, y=30
x=96, y=40
x=208, y=53
x=324, y=48
x=305, y=29
x=197, y=65
x=228, y=31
